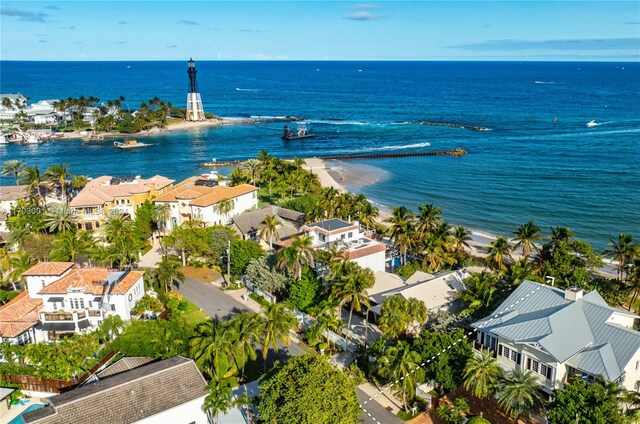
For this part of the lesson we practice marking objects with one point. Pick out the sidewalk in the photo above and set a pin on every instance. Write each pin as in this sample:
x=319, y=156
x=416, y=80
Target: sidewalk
x=239, y=295
x=385, y=399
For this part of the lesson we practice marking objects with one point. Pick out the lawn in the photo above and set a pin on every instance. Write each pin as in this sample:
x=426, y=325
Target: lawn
x=203, y=274
x=193, y=315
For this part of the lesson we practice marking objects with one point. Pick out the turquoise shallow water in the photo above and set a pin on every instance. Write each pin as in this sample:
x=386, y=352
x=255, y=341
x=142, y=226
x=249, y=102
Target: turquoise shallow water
x=524, y=167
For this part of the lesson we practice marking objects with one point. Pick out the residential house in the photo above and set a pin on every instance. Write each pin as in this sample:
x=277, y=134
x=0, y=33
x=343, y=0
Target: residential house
x=106, y=195
x=359, y=248
x=437, y=292
x=61, y=299
x=9, y=196
x=166, y=391
x=562, y=334
x=7, y=113
x=249, y=224
x=199, y=198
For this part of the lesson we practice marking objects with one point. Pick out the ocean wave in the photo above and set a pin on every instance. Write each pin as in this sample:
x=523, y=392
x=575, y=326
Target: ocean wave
x=246, y=89
x=544, y=82
x=382, y=148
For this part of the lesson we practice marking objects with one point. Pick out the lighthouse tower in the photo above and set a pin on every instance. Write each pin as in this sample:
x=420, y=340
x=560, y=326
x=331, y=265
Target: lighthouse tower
x=194, y=110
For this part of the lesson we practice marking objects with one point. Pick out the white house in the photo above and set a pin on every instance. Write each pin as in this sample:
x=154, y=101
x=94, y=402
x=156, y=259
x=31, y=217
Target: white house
x=199, y=198
x=360, y=249
x=562, y=334
x=61, y=299
x=160, y=392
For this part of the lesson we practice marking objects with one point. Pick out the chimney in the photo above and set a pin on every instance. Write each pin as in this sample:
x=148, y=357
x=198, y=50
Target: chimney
x=573, y=293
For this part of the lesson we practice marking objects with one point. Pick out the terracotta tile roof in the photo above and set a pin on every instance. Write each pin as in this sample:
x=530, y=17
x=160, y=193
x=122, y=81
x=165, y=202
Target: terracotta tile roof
x=184, y=192
x=222, y=193
x=99, y=190
x=91, y=280
x=19, y=315
x=49, y=269
x=128, y=397
x=366, y=251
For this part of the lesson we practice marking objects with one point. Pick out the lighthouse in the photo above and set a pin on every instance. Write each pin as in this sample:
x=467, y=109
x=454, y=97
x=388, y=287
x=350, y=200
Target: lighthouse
x=194, y=110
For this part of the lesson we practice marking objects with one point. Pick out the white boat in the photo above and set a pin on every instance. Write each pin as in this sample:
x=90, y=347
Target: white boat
x=592, y=123
x=129, y=144
x=29, y=138
x=3, y=139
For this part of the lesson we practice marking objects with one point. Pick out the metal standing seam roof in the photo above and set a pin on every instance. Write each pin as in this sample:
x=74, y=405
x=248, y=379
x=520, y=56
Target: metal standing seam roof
x=578, y=333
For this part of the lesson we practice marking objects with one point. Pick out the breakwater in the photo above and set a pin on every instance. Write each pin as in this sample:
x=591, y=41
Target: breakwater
x=452, y=125
x=453, y=152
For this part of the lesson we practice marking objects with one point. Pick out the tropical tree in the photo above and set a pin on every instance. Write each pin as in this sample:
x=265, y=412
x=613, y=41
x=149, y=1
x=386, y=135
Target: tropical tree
x=161, y=215
x=224, y=207
x=460, y=238
x=351, y=287
x=78, y=182
x=218, y=400
x=497, y=253
x=275, y=324
x=212, y=348
x=13, y=167
x=482, y=374
x=298, y=254
x=270, y=229
x=479, y=293
x=624, y=250
x=435, y=251
x=32, y=178
x=402, y=365
x=519, y=396
x=456, y=413
x=253, y=167
x=429, y=217
x=245, y=330
x=60, y=218
x=401, y=222
x=594, y=403
x=58, y=174
x=20, y=262
x=398, y=314
x=525, y=236
x=168, y=272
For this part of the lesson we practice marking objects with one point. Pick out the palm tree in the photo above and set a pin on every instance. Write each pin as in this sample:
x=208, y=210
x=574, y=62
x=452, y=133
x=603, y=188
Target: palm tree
x=395, y=317
x=60, y=217
x=212, y=348
x=67, y=246
x=19, y=264
x=78, y=182
x=224, y=207
x=435, y=251
x=460, y=238
x=297, y=255
x=428, y=218
x=519, y=396
x=245, y=328
x=351, y=287
x=218, y=400
x=402, y=366
x=560, y=235
x=275, y=324
x=497, y=253
x=401, y=220
x=624, y=251
x=481, y=375
x=479, y=292
x=417, y=312
x=329, y=321
x=526, y=235
x=32, y=178
x=168, y=272
x=270, y=229
x=13, y=167
x=161, y=215
x=58, y=174
x=252, y=166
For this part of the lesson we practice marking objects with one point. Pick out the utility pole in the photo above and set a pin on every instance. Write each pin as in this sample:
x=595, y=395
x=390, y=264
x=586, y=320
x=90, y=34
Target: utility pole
x=229, y=263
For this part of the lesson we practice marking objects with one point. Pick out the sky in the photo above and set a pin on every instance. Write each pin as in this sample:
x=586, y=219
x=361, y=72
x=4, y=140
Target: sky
x=320, y=30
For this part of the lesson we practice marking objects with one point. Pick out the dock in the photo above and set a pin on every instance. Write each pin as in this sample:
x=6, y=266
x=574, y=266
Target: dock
x=453, y=152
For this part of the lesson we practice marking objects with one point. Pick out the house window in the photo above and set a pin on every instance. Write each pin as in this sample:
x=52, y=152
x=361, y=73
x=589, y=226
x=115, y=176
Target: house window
x=113, y=307
x=90, y=304
x=506, y=352
x=534, y=366
x=42, y=283
x=82, y=303
x=350, y=234
x=544, y=370
x=321, y=237
x=514, y=356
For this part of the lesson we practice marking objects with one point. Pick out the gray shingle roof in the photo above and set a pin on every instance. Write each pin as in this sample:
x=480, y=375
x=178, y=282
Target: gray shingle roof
x=249, y=222
x=124, y=364
x=127, y=397
x=578, y=333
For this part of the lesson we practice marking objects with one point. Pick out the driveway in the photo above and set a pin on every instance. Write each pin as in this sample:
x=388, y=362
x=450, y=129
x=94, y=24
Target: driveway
x=379, y=415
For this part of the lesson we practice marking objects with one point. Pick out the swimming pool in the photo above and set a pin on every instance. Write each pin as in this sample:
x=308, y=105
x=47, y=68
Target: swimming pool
x=19, y=420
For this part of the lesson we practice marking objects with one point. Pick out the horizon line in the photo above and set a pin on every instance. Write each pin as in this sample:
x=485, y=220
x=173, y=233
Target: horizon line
x=335, y=60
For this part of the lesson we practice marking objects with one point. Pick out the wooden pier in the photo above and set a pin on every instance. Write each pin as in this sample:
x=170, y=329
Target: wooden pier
x=454, y=152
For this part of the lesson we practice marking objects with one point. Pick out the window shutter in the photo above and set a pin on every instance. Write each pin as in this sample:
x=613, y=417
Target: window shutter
x=499, y=349
x=528, y=363
x=549, y=373
x=519, y=359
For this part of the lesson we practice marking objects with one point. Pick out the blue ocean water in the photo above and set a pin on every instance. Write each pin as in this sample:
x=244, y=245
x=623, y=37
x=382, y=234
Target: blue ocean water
x=525, y=167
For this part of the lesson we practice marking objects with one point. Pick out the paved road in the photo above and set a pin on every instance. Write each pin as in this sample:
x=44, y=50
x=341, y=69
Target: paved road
x=216, y=303
x=379, y=415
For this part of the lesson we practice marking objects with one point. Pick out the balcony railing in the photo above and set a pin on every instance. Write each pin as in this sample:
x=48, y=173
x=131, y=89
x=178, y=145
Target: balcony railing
x=94, y=314
x=58, y=316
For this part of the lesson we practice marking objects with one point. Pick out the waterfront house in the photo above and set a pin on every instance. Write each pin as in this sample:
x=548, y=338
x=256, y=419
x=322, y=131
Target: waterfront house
x=249, y=224
x=166, y=391
x=199, y=198
x=358, y=248
x=106, y=195
x=9, y=196
x=61, y=299
x=437, y=292
x=562, y=334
